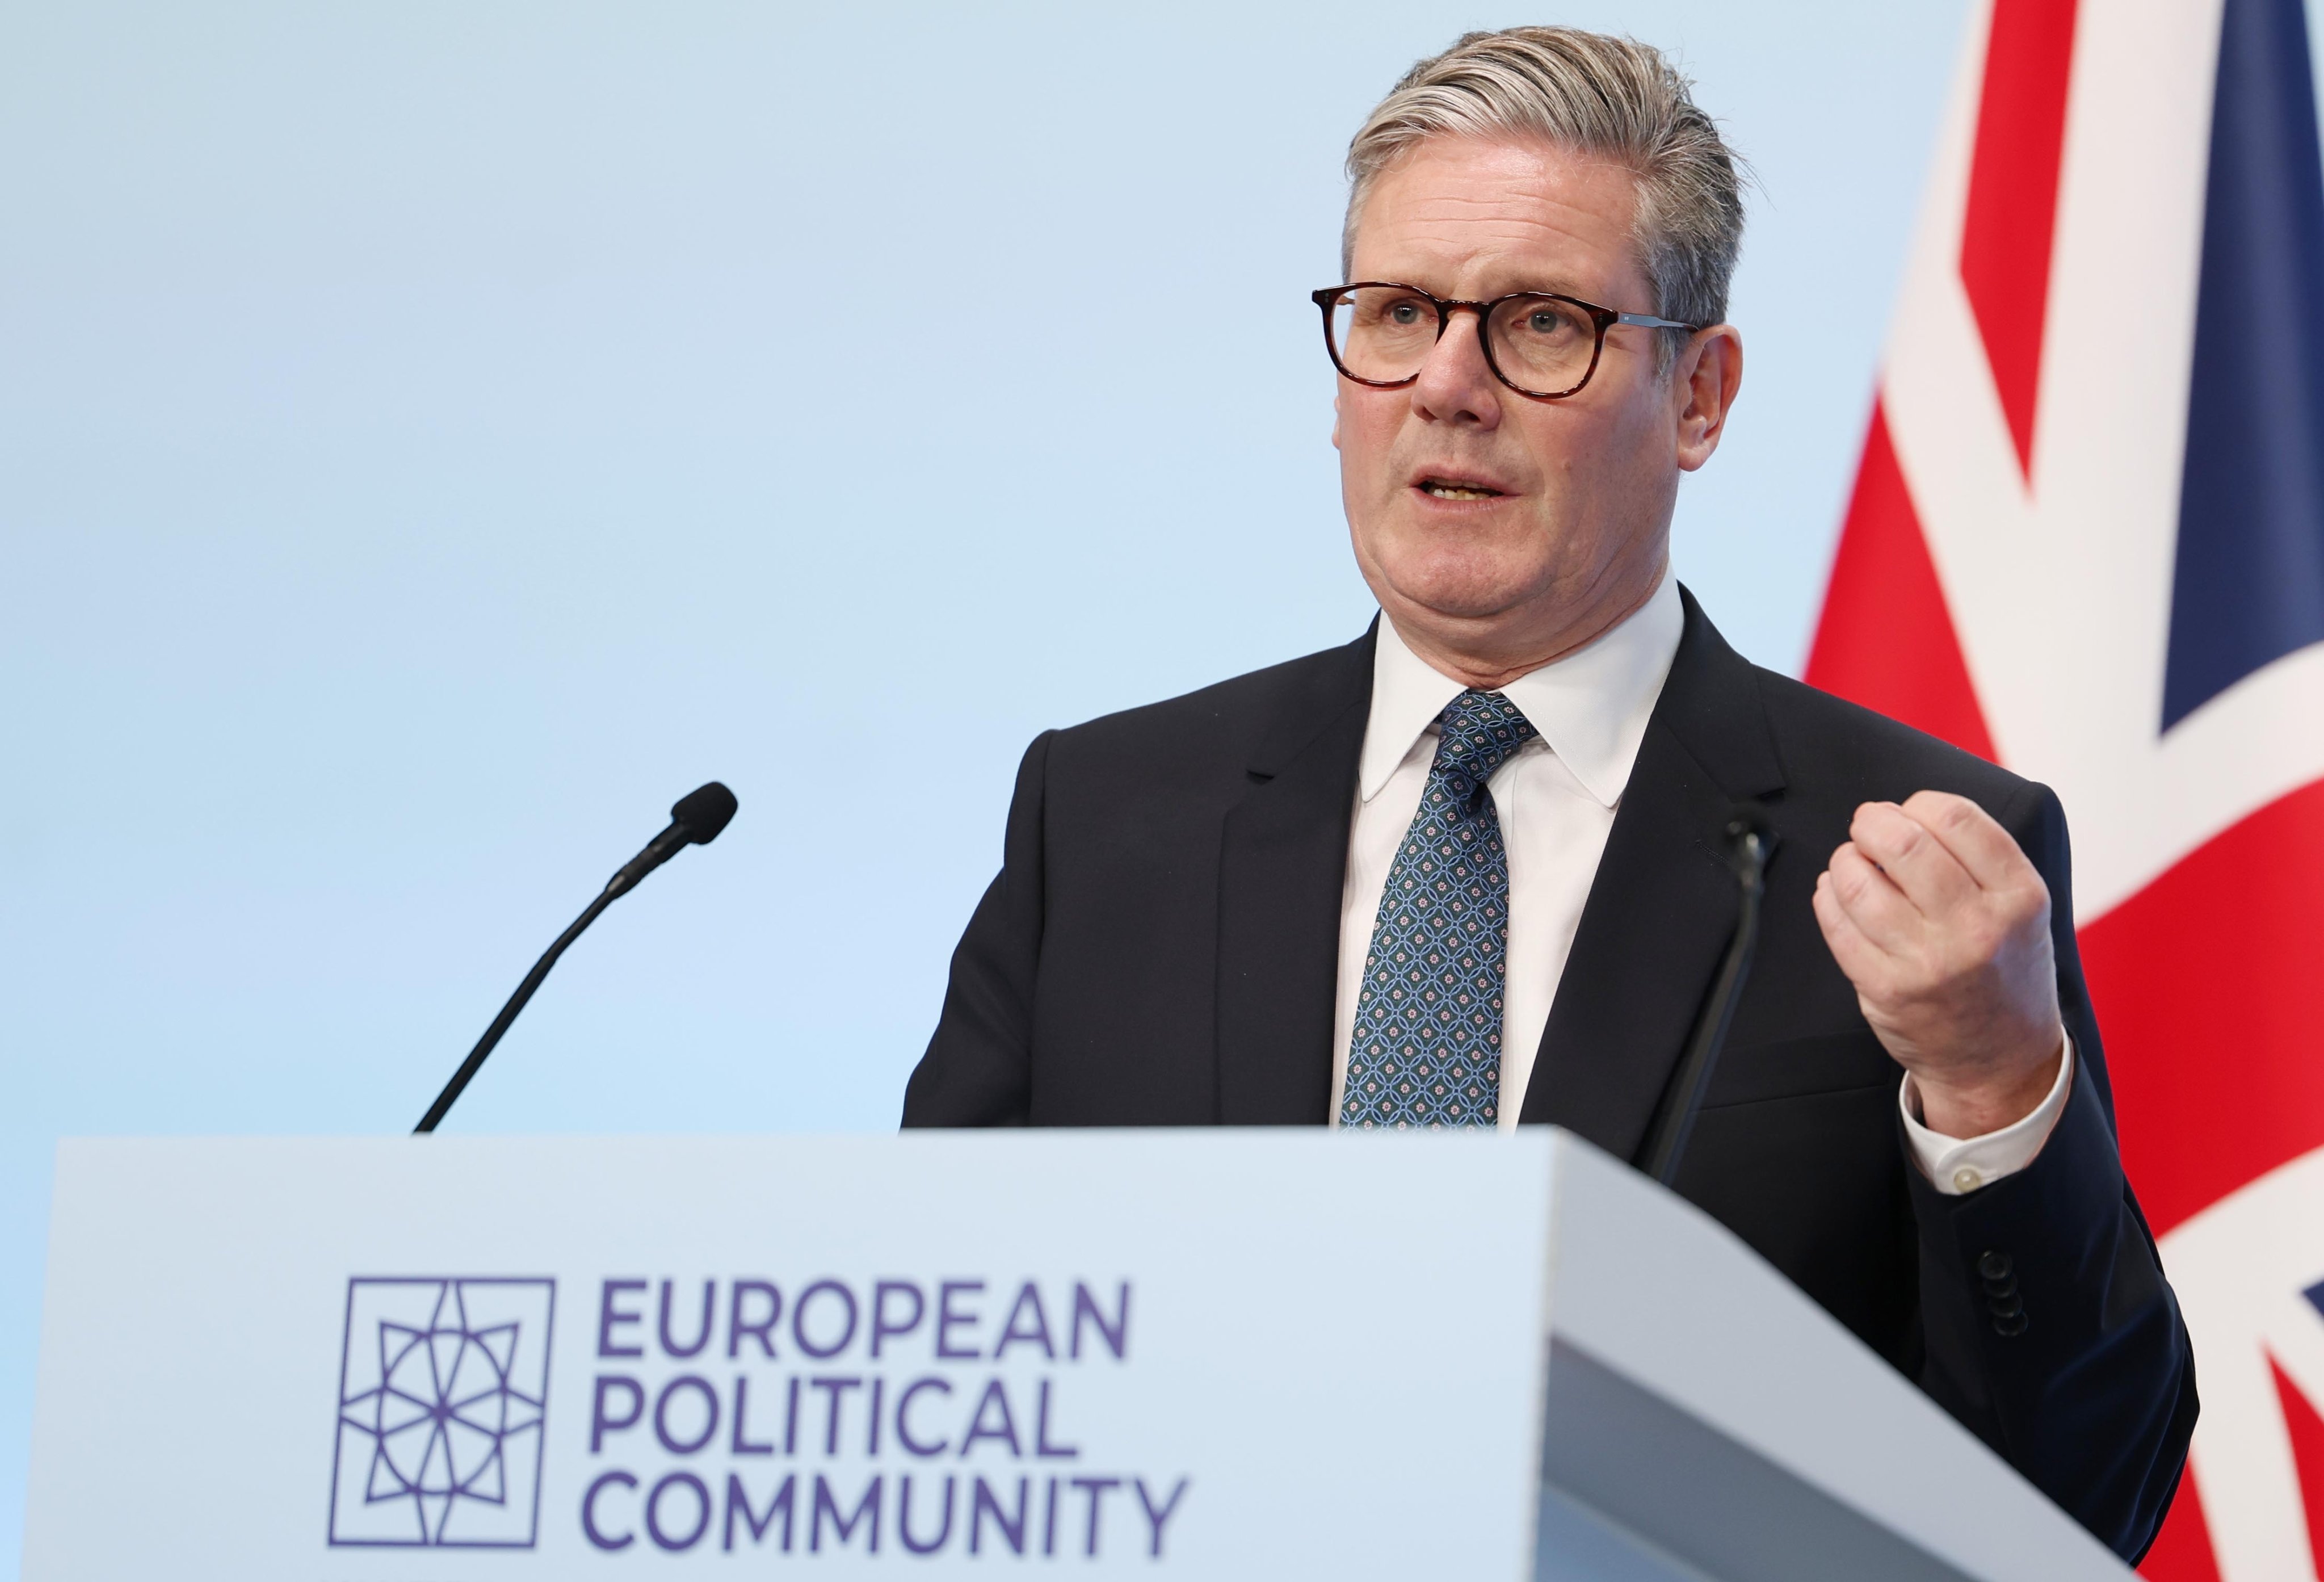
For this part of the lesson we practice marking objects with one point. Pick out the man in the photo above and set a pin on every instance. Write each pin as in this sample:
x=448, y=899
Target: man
x=1465, y=871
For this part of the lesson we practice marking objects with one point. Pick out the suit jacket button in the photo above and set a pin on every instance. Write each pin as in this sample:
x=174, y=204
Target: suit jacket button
x=2006, y=1307
x=2013, y=1325
x=1995, y=1266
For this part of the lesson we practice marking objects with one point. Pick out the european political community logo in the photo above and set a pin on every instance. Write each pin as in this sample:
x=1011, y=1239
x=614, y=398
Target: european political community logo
x=443, y=1400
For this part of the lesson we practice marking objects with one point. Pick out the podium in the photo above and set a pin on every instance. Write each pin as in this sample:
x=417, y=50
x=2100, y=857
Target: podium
x=1213, y=1354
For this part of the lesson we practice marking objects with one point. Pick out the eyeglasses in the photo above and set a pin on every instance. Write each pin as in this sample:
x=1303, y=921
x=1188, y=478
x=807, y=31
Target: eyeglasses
x=1537, y=342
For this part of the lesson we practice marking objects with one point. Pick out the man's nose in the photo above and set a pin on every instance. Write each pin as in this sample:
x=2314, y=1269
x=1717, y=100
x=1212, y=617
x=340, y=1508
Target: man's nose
x=1456, y=384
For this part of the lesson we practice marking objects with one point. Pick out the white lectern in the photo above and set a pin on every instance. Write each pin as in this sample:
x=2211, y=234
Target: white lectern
x=1204, y=1354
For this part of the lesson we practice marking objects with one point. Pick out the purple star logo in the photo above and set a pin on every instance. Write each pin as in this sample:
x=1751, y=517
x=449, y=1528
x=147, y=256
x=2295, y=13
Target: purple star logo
x=443, y=1387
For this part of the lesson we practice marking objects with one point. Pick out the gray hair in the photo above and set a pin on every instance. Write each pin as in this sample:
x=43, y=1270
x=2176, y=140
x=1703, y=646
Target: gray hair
x=1608, y=98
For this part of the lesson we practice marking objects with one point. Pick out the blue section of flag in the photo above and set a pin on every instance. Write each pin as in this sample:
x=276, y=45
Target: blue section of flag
x=2249, y=586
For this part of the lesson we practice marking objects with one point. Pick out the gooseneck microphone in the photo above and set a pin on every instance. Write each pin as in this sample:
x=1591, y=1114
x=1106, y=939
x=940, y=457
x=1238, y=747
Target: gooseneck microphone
x=1746, y=854
x=696, y=821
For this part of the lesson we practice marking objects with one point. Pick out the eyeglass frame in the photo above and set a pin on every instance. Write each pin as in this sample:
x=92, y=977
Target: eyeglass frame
x=1604, y=318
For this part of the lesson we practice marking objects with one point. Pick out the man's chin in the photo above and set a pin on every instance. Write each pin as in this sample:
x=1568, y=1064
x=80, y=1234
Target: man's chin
x=1460, y=592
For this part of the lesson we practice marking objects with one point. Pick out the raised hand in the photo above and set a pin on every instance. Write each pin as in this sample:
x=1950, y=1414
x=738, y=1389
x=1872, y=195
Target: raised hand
x=1943, y=926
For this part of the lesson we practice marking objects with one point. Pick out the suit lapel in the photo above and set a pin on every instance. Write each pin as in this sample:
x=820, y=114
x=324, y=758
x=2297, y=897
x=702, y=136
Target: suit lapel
x=1283, y=861
x=1663, y=904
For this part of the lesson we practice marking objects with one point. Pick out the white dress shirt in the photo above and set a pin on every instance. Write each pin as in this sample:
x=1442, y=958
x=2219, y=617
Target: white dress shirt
x=1555, y=798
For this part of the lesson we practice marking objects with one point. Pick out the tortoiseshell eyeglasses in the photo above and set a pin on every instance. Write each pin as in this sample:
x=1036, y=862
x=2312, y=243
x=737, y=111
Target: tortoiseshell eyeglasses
x=1540, y=344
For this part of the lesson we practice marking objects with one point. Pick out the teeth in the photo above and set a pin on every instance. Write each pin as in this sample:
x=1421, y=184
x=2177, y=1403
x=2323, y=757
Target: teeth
x=1459, y=492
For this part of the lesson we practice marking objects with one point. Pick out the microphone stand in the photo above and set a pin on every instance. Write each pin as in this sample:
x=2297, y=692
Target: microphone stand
x=1746, y=854
x=516, y=1002
x=696, y=821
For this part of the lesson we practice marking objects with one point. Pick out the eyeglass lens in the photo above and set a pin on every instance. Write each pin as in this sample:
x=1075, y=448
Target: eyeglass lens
x=1384, y=333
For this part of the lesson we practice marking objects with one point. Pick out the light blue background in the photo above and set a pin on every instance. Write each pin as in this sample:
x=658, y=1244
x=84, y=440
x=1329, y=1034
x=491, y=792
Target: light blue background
x=434, y=437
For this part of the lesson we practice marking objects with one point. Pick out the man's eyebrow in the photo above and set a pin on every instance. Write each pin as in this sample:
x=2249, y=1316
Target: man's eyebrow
x=1517, y=285
x=1535, y=285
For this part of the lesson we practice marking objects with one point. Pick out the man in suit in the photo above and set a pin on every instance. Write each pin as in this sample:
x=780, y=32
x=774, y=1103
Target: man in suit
x=1466, y=870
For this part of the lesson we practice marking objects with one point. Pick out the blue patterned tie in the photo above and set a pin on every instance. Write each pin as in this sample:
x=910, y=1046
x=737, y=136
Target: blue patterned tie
x=1426, y=1048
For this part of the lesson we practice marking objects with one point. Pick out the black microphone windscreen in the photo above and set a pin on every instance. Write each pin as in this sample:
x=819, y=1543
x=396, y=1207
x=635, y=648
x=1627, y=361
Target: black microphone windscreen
x=703, y=812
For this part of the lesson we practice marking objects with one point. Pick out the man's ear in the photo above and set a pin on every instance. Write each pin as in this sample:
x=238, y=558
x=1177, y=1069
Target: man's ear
x=1706, y=375
x=1335, y=417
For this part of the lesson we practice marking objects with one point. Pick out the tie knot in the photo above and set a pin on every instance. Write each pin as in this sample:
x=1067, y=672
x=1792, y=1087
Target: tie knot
x=1479, y=733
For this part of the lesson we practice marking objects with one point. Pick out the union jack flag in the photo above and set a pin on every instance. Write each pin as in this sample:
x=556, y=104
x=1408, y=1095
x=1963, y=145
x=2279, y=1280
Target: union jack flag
x=2086, y=540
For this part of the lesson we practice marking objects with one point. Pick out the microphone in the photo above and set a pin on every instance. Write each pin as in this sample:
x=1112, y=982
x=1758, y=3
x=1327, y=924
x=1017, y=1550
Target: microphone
x=696, y=819
x=1747, y=843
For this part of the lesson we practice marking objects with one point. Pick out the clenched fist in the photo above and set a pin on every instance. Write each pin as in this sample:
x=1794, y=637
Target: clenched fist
x=1943, y=927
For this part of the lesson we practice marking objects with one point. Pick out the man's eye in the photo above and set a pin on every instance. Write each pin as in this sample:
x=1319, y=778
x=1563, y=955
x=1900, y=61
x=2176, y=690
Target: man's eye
x=1404, y=313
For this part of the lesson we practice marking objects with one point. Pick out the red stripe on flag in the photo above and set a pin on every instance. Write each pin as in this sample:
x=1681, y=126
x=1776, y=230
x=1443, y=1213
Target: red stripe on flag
x=2012, y=198
x=2206, y=985
x=2182, y=1549
x=2307, y=1432
x=1886, y=639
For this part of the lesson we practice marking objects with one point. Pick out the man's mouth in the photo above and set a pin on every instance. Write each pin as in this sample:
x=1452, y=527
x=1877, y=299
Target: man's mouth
x=1458, y=489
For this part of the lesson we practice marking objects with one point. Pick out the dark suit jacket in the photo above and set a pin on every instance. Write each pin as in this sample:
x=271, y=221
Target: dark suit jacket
x=1161, y=948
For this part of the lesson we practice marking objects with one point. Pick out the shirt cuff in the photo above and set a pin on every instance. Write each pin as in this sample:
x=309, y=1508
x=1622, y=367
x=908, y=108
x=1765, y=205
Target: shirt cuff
x=1957, y=1166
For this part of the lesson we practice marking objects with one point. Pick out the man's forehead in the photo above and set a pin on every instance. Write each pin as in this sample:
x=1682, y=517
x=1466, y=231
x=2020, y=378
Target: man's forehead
x=1525, y=213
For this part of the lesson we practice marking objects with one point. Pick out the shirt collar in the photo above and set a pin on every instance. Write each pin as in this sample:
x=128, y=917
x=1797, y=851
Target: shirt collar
x=1590, y=707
